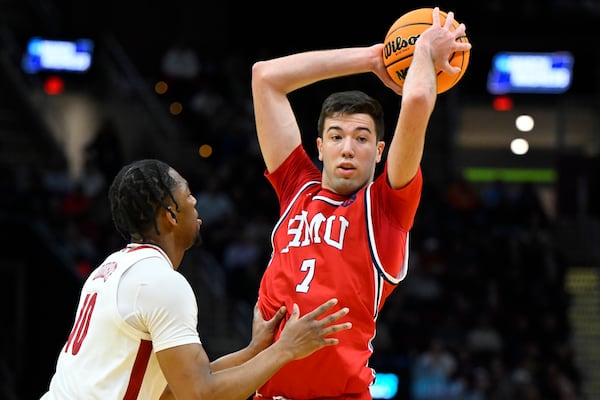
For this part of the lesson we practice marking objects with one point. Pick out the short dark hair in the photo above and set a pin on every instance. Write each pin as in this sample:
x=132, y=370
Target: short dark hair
x=352, y=102
x=137, y=192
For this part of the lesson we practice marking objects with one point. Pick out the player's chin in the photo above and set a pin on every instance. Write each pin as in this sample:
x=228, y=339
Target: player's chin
x=197, y=242
x=198, y=239
x=347, y=186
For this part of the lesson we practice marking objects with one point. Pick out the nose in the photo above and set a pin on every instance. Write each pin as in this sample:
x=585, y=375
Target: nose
x=348, y=147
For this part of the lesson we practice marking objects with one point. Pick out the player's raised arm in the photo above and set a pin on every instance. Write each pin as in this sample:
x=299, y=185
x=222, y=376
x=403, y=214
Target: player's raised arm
x=272, y=80
x=432, y=50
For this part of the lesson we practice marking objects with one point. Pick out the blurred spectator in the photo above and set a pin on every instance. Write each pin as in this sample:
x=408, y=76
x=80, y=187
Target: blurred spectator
x=75, y=202
x=217, y=211
x=431, y=257
x=180, y=62
x=207, y=104
x=92, y=180
x=564, y=356
x=528, y=206
x=525, y=372
x=463, y=205
x=433, y=372
x=244, y=260
x=556, y=385
x=502, y=386
x=483, y=339
x=424, y=286
x=452, y=329
x=214, y=204
x=180, y=67
x=104, y=150
x=462, y=196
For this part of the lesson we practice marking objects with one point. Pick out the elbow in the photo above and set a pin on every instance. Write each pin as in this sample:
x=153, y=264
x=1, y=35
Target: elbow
x=421, y=98
x=272, y=76
x=259, y=72
x=264, y=81
x=258, y=69
x=263, y=74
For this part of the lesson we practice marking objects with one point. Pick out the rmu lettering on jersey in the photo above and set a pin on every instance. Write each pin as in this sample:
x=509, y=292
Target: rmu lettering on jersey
x=318, y=229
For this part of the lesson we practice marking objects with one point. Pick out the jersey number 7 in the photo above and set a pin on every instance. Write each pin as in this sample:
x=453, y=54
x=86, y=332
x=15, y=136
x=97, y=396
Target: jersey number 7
x=307, y=266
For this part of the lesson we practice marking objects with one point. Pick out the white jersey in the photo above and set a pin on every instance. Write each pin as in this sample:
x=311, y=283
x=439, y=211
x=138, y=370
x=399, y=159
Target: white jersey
x=130, y=307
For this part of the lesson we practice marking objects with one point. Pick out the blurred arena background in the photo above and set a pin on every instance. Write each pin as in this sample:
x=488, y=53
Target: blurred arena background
x=502, y=289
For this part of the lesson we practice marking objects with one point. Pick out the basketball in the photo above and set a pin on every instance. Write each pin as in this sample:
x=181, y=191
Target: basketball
x=400, y=42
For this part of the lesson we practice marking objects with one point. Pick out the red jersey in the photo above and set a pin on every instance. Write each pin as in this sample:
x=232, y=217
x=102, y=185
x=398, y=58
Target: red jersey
x=325, y=245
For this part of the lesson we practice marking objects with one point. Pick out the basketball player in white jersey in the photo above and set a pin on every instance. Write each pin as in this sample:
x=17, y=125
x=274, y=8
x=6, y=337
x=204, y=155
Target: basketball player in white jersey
x=135, y=330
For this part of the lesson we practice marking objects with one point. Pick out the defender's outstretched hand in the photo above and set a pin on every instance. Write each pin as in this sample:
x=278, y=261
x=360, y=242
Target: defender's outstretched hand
x=263, y=331
x=305, y=335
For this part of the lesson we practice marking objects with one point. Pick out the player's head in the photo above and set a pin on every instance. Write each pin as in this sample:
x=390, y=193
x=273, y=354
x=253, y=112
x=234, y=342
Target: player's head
x=144, y=191
x=352, y=102
x=350, y=141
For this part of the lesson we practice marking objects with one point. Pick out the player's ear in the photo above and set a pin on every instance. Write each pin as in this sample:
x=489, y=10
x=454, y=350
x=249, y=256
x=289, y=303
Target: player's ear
x=320, y=147
x=171, y=215
x=380, y=148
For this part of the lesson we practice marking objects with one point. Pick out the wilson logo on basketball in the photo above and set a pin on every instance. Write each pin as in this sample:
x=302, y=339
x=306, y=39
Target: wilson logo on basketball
x=398, y=44
x=401, y=73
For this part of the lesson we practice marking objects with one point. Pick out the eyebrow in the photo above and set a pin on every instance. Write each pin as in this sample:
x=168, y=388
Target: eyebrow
x=359, y=128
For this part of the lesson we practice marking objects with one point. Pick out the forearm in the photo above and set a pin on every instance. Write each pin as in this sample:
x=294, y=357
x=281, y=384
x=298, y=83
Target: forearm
x=421, y=79
x=418, y=101
x=298, y=70
x=233, y=359
x=241, y=381
x=190, y=375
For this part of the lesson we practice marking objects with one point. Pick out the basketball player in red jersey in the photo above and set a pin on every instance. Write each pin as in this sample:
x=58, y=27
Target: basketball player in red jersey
x=342, y=232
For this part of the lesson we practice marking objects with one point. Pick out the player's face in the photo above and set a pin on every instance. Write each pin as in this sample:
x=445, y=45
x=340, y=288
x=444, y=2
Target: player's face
x=187, y=215
x=349, y=150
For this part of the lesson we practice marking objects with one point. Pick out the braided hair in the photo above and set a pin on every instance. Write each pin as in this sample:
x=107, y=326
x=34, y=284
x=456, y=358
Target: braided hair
x=137, y=192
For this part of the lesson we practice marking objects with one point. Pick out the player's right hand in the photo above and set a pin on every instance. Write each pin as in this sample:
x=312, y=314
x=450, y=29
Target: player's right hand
x=305, y=335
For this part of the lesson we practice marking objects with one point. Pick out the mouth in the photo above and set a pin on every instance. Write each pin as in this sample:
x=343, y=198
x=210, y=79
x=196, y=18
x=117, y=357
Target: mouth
x=346, y=169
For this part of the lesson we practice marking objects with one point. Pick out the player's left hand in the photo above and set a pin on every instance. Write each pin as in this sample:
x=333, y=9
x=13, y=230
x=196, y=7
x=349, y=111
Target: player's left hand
x=263, y=331
x=380, y=71
x=441, y=40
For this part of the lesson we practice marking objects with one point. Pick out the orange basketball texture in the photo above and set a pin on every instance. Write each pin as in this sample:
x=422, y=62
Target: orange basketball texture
x=400, y=42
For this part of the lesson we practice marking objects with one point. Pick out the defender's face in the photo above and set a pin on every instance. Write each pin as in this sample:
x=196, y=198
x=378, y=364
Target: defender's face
x=349, y=150
x=187, y=215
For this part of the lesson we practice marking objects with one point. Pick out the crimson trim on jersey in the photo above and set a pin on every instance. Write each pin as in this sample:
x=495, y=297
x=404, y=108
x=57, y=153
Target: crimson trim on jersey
x=138, y=370
x=141, y=246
